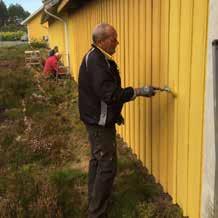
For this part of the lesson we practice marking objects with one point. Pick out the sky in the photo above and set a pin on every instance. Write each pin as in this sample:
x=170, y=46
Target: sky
x=28, y=5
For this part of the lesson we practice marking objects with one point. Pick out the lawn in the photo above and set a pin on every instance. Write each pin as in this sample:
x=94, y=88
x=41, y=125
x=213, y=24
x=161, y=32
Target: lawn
x=44, y=152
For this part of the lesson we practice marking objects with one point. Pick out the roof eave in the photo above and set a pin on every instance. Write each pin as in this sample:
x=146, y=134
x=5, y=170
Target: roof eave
x=32, y=16
x=62, y=5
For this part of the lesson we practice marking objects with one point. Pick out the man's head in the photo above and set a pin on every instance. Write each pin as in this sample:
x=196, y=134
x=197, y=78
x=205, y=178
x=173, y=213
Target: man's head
x=58, y=55
x=105, y=36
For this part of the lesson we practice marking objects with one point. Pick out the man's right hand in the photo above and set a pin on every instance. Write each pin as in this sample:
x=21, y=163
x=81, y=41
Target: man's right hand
x=147, y=91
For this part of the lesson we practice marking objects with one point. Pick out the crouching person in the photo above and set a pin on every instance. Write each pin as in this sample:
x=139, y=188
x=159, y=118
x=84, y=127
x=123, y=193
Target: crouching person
x=51, y=67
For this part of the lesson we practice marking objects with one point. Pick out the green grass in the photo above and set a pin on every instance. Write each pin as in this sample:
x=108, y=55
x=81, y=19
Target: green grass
x=44, y=153
x=136, y=194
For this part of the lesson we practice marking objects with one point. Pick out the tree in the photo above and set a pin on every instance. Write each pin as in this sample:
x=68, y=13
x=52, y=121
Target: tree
x=17, y=12
x=3, y=13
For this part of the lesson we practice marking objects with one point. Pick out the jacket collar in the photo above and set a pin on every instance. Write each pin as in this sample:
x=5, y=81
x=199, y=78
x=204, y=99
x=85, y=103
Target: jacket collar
x=108, y=56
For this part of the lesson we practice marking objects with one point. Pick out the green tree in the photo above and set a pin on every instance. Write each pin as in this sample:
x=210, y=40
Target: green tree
x=3, y=13
x=16, y=11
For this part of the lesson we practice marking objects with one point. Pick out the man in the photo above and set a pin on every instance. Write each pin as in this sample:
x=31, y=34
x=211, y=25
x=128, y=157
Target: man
x=51, y=67
x=101, y=98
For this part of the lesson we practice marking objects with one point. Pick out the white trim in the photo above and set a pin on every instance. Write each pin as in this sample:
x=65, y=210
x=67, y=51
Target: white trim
x=65, y=34
x=31, y=16
x=210, y=155
x=28, y=34
x=103, y=115
x=87, y=58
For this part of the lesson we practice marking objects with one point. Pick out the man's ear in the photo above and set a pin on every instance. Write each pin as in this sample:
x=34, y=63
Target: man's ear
x=100, y=42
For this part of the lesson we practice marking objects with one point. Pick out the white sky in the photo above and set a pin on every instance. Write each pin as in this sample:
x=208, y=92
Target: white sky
x=28, y=5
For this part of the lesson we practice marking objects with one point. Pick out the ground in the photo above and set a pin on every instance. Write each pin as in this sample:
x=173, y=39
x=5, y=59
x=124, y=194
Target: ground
x=44, y=152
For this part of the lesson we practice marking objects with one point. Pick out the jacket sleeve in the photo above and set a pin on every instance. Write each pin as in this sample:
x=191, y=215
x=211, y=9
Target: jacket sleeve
x=104, y=85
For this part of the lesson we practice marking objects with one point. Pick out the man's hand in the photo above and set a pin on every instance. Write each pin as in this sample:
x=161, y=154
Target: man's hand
x=147, y=91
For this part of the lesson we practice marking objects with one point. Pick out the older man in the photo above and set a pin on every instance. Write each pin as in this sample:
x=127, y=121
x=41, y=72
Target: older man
x=101, y=99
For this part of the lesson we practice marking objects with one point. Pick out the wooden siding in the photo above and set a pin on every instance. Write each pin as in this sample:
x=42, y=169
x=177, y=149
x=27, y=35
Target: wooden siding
x=162, y=42
x=57, y=37
x=36, y=31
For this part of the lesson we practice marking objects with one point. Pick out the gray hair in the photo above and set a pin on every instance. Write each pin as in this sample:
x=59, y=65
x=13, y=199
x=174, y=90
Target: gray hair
x=100, y=32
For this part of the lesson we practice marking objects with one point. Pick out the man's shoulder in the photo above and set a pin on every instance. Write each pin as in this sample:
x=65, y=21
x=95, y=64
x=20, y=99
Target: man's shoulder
x=94, y=53
x=92, y=58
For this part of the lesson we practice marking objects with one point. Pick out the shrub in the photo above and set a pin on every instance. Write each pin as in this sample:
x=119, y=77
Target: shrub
x=15, y=87
x=160, y=209
x=66, y=183
x=27, y=196
x=11, y=36
x=38, y=43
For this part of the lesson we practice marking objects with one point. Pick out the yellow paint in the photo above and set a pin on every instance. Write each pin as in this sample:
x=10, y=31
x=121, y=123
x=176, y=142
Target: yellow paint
x=136, y=77
x=174, y=34
x=131, y=74
x=148, y=47
x=164, y=69
x=36, y=30
x=162, y=42
x=197, y=81
x=184, y=101
x=126, y=71
x=141, y=82
x=57, y=37
x=155, y=114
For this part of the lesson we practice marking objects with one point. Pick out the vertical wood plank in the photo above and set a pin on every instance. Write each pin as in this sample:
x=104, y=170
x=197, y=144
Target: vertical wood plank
x=142, y=80
x=156, y=82
x=184, y=101
x=127, y=70
x=196, y=106
x=136, y=75
x=148, y=81
x=174, y=31
x=131, y=72
x=164, y=54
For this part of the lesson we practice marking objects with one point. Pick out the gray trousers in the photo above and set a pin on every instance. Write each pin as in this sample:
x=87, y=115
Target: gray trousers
x=102, y=169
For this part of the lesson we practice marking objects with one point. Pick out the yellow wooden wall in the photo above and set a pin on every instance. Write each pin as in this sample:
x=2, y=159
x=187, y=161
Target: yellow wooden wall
x=56, y=37
x=36, y=31
x=162, y=42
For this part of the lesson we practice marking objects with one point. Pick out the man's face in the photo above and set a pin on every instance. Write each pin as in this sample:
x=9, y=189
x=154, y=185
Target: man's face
x=110, y=43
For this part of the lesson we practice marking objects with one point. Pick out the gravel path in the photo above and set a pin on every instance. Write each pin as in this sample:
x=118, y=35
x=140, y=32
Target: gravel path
x=11, y=43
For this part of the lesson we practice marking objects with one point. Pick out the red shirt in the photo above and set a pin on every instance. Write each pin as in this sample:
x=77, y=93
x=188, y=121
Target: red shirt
x=51, y=65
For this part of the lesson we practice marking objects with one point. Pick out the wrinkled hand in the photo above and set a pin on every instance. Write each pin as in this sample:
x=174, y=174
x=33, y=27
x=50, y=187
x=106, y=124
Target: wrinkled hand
x=147, y=91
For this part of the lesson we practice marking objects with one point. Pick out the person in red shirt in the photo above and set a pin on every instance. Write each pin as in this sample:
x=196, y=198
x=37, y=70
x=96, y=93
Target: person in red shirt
x=51, y=67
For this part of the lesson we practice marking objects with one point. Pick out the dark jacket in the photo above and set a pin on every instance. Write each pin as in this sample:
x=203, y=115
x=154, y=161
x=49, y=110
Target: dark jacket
x=101, y=97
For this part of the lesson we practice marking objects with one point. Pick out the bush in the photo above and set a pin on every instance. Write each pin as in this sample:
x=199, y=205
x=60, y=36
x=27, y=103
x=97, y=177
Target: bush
x=66, y=182
x=27, y=196
x=38, y=43
x=15, y=87
x=162, y=209
x=11, y=36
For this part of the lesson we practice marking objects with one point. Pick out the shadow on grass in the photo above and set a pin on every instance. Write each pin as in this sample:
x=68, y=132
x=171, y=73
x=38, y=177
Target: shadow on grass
x=136, y=195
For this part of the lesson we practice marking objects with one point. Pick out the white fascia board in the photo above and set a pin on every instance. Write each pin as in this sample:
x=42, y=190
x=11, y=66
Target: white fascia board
x=31, y=16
